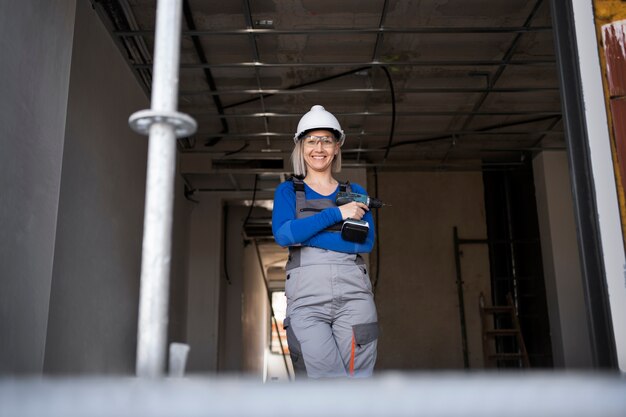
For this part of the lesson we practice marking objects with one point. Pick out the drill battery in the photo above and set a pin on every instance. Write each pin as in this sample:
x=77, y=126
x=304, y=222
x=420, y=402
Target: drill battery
x=355, y=230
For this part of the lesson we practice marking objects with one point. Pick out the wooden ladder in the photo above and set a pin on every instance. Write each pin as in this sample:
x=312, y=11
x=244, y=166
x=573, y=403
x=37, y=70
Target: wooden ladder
x=491, y=333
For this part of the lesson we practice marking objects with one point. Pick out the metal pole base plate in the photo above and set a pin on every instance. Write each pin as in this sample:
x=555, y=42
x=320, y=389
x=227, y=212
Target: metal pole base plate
x=184, y=125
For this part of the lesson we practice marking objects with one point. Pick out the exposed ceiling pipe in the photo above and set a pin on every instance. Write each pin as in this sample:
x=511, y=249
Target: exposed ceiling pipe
x=207, y=72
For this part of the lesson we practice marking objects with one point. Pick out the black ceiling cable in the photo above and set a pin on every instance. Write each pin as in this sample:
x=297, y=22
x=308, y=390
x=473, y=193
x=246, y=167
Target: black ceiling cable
x=191, y=25
x=478, y=131
x=245, y=145
x=256, y=177
x=188, y=192
x=377, y=222
x=551, y=126
x=492, y=79
x=393, y=111
x=301, y=85
x=224, y=243
x=391, y=132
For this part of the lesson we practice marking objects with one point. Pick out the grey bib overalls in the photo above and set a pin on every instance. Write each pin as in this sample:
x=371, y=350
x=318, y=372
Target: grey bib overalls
x=332, y=326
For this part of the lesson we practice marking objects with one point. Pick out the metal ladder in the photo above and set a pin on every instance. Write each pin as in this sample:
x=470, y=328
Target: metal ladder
x=492, y=334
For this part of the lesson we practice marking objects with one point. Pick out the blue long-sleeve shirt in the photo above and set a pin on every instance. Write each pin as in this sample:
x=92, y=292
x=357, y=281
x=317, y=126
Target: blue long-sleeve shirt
x=290, y=231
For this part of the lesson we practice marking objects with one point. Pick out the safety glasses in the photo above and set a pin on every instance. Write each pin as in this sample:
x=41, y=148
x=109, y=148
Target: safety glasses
x=312, y=141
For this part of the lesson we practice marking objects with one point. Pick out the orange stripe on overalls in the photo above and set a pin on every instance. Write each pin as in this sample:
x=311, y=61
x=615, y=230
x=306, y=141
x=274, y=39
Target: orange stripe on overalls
x=352, y=355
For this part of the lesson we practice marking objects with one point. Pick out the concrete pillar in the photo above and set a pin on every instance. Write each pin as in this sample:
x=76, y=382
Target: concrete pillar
x=203, y=285
x=36, y=48
x=563, y=278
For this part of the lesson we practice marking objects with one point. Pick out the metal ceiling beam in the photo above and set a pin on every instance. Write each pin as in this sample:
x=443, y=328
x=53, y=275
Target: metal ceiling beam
x=305, y=84
x=446, y=134
x=482, y=130
x=208, y=75
x=492, y=79
x=212, y=154
x=137, y=46
x=424, y=90
x=379, y=38
x=424, y=63
x=380, y=31
x=257, y=58
x=433, y=165
x=552, y=125
x=112, y=16
x=349, y=31
x=381, y=114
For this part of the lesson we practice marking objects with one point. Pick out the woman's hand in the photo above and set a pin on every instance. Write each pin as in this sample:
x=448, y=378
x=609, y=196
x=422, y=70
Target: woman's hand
x=353, y=210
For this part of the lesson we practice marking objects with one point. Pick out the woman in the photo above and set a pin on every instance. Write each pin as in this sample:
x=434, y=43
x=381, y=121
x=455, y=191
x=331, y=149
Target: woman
x=331, y=322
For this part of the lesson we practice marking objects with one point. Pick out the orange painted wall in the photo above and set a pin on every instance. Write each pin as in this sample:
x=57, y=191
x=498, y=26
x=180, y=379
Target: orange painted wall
x=614, y=80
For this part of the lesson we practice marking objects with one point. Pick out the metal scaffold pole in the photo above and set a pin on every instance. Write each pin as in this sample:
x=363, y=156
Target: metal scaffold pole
x=163, y=124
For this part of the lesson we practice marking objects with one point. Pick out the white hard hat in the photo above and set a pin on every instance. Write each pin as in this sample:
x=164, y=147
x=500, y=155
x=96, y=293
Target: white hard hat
x=319, y=118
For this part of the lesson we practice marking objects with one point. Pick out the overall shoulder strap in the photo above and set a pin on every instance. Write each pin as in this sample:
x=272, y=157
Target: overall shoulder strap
x=298, y=183
x=298, y=187
x=344, y=187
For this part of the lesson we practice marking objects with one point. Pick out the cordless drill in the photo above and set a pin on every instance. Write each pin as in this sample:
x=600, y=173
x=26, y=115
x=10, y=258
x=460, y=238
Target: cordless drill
x=345, y=198
x=356, y=230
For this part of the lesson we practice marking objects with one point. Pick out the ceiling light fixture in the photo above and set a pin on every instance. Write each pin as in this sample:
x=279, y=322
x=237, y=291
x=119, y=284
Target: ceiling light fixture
x=264, y=24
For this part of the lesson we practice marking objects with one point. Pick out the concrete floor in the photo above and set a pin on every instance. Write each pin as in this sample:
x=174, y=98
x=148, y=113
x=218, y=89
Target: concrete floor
x=434, y=395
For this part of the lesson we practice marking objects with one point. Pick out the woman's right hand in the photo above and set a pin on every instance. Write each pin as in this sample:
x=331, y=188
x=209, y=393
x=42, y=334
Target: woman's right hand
x=353, y=210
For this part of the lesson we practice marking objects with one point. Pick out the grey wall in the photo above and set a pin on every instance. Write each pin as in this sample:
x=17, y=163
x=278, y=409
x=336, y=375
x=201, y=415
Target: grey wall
x=564, y=287
x=95, y=286
x=203, y=290
x=36, y=47
x=244, y=309
x=231, y=345
x=255, y=314
x=417, y=295
x=207, y=298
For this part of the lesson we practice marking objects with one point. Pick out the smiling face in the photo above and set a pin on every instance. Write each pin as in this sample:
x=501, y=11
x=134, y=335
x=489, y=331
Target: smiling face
x=318, y=155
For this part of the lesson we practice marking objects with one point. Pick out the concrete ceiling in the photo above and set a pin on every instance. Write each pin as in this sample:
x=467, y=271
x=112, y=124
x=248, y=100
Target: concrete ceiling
x=469, y=83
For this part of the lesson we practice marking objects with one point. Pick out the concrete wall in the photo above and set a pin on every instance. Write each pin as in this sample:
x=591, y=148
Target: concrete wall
x=97, y=263
x=36, y=47
x=564, y=287
x=203, y=283
x=255, y=315
x=417, y=295
x=245, y=313
x=231, y=335
x=215, y=308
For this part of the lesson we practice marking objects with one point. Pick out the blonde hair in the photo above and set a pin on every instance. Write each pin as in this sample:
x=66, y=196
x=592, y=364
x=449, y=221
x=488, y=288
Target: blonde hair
x=299, y=166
